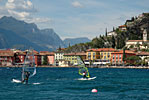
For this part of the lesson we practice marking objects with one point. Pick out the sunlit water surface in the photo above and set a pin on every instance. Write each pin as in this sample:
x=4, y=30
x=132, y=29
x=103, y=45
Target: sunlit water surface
x=63, y=84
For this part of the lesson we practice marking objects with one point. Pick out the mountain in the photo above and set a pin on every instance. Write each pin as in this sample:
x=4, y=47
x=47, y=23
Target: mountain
x=53, y=42
x=26, y=35
x=9, y=39
x=73, y=41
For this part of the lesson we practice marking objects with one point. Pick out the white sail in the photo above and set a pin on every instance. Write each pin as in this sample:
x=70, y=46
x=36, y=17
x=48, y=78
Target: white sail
x=29, y=64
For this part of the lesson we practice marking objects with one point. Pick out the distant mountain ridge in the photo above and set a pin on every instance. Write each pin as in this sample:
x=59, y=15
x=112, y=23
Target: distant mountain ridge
x=27, y=35
x=21, y=35
x=9, y=39
x=73, y=41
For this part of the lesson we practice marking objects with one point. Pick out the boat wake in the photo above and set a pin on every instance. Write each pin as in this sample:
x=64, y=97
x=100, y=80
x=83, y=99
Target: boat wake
x=16, y=81
x=92, y=78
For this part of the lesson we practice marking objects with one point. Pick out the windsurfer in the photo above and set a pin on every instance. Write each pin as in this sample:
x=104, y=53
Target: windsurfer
x=27, y=74
x=84, y=74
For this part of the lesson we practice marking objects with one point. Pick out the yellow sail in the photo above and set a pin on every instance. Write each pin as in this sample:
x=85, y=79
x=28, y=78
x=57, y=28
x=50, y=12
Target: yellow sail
x=82, y=67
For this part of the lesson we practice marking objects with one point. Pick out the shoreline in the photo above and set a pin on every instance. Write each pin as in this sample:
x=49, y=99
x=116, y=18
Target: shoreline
x=127, y=67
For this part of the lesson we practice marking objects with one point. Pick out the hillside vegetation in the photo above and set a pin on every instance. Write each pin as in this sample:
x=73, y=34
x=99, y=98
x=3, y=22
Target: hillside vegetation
x=134, y=32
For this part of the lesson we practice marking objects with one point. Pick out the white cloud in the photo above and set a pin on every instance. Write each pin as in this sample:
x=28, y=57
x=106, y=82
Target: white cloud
x=77, y=4
x=10, y=1
x=22, y=10
x=29, y=3
x=10, y=5
x=20, y=5
x=21, y=15
x=41, y=20
x=90, y=21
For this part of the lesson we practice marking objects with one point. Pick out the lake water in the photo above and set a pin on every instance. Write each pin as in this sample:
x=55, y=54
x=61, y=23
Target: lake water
x=62, y=84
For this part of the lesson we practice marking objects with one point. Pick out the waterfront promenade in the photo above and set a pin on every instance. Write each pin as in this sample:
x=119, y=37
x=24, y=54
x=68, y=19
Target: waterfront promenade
x=135, y=67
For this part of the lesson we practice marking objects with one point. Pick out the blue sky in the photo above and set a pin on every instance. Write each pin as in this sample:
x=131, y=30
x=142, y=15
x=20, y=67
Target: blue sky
x=74, y=18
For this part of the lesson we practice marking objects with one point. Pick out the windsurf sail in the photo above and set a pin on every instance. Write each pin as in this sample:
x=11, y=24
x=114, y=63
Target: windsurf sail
x=82, y=67
x=29, y=64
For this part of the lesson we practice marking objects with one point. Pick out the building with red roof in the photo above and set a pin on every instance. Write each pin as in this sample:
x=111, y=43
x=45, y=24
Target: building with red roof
x=6, y=58
x=117, y=57
x=100, y=56
x=49, y=55
x=20, y=57
x=101, y=53
x=122, y=28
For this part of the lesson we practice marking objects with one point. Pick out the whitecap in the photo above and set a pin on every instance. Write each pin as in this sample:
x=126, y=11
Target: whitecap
x=36, y=83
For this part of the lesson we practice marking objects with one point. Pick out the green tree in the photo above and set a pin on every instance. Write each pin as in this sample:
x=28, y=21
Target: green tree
x=45, y=60
x=106, y=32
x=145, y=61
x=132, y=18
x=145, y=44
x=134, y=60
x=118, y=43
x=113, y=42
x=132, y=46
x=138, y=46
x=124, y=55
x=97, y=43
x=122, y=43
x=69, y=45
x=59, y=49
x=113, y=29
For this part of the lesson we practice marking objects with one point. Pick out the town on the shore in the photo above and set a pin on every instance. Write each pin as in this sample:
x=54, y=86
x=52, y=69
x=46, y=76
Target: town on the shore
x=94, y=57
x=135, y=56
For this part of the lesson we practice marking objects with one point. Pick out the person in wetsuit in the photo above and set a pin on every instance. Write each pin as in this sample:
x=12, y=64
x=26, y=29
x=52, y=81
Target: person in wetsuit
x=27, y=74
x=84, y=74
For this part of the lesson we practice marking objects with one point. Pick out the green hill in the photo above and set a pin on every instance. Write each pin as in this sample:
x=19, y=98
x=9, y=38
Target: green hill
x=133, y=32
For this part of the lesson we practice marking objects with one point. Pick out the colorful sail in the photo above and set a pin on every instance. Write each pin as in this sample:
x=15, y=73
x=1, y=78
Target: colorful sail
x=29, y=64
x=82, y=67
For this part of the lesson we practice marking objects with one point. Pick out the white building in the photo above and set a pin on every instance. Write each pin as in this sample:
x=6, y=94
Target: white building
x=138, y=42
x=145, y=35
x=63, y=63
x=59, y=55
x=144, y=56
x=111, y=33
x=122, y=28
